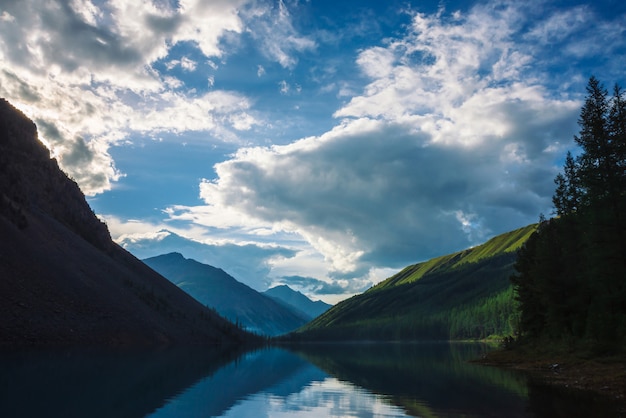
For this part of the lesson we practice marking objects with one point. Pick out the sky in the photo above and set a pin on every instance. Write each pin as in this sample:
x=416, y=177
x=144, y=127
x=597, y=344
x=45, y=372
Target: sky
x=323, y=145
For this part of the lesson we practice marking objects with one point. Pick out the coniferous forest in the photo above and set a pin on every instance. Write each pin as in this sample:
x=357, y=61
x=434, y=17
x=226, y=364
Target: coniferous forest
x=571, y=273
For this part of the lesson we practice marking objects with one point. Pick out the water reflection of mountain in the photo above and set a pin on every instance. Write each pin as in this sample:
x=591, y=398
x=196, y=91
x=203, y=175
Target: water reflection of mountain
x=272, y=371
x=167, y=383
x=98, y=383
x=430, y=380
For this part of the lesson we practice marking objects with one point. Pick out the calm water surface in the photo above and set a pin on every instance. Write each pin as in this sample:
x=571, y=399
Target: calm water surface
x=363, y=380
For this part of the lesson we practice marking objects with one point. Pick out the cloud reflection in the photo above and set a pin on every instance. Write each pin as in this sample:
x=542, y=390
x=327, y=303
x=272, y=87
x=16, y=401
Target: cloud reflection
x=328, y=398
x=275, y=383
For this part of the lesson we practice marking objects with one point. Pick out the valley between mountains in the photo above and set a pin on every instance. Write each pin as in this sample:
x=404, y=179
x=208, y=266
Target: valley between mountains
x=64, y=281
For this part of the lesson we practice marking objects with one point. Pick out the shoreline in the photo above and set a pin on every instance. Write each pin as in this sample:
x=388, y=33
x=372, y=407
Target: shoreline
x=605, y=376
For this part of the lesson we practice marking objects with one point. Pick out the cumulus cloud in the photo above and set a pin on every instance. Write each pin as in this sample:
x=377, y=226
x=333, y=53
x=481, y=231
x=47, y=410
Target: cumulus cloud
x=85, y=72
x=274, y=30
x=80, y=125
x=370, y=191
x=452, y=140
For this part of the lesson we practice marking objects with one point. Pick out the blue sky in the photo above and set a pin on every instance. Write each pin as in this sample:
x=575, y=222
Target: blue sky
x=323, y=145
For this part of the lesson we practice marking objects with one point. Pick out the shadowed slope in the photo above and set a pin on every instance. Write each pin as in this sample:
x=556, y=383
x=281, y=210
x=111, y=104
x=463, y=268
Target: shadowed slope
x=62, y=279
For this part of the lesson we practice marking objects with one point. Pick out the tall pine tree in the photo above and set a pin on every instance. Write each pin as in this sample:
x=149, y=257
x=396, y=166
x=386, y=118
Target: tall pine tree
x=571, y=280
x=568, y=194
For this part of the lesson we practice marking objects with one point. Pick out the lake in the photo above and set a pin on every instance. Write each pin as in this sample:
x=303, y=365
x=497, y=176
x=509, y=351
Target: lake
x=340, y=380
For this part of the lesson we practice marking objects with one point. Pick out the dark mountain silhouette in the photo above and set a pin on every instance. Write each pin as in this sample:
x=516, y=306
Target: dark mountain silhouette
x=62, y=279
x=100, y=382
x=296, y=300
x=234, y=300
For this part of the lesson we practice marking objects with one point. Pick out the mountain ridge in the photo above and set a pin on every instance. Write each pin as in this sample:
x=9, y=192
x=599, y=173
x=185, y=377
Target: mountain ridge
x=297, y=300
x=504, y=243
x=233, y=299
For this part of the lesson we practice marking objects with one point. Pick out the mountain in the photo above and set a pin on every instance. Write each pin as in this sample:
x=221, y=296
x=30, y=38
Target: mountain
x=296, y=300
x=462, y=295
x=62, y=279
x=246, y=262
x=215, y=288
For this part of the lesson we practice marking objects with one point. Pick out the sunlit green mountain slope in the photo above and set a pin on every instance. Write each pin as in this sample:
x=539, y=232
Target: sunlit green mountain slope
x=462, y=295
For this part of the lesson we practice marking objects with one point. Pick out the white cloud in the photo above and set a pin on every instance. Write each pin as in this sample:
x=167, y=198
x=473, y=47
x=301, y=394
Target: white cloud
x=7, y=17
x=88, y=126
x=376, y=62
x=446, y=145
x=185, y=63
x=214, y=214
x=172, y=82
x=83, y=71
x=577, y=34
x=206, y=21
x=559, y=26
x=274, y=30
x=188, y=64
x=283, y=87
x=87, y=10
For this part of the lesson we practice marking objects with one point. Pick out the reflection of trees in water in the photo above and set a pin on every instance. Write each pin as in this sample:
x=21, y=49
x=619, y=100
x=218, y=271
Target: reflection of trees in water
x=102, y=383
x=431, y=379
x=433, y=375
x=548, y=401
x=436, y=379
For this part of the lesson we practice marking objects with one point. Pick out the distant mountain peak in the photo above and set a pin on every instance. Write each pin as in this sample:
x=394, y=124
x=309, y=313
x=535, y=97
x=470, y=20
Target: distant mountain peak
x=174, y=255
x=285, y=288
x=214, y=287
x=297, y=300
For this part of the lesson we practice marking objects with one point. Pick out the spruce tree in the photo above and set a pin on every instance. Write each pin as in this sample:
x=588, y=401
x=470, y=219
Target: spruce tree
x=568, y=194
x=571, y=280
x=595, y=160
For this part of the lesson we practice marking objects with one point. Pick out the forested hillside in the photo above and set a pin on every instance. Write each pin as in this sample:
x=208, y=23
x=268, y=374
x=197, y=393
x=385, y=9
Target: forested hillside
x=457, y=296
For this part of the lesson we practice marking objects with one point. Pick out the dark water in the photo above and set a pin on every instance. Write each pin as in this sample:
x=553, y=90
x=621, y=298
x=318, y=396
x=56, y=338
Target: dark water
x=365, y=380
